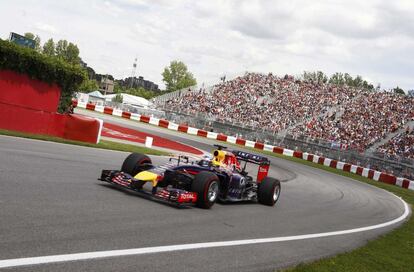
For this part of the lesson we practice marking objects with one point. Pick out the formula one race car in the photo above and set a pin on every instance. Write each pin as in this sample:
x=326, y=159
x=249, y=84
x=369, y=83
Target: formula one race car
x=199, y=182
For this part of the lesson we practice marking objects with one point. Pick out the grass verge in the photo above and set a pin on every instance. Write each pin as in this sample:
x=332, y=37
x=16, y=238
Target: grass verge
x=102, y=144
x=393, y=251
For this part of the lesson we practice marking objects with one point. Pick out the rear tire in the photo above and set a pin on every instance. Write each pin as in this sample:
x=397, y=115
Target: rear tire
x=206, y=185
x=269, y=191
x=135, y=163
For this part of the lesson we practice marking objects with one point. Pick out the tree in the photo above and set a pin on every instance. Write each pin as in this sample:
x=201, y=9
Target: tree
x=176, y=76
x=72, y=54
x=67, y=51
x=118, y=98
x=61, y=48
x=315, y=77
x=321, y=77
x=140, y=91
x=398, y=90
x=349, y=81
x=88, y=86
x=307, y=76
x=337, y=79
x=49, y=48
x=29, y=35
x=118, y=88
x=36, y=38
x=367, y=86
x=358, y=81
x=38, y=46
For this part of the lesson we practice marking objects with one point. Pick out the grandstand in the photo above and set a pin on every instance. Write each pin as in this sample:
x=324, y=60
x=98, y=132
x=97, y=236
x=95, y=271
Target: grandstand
x=400, y=145
x=271, y=108
x=262, y=101
x=365, y=120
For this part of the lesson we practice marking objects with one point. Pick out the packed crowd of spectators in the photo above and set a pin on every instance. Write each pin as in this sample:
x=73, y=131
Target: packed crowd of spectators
x=400, y=145
x=365, y=120
x=263, y=101
x=339, y=114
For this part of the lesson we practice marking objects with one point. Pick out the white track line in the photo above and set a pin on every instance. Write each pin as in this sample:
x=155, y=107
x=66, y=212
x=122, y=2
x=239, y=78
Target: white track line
x=159, y=249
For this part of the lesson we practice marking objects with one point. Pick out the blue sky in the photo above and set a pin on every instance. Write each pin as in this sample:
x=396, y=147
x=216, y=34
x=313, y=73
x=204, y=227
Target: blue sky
x=374, y=39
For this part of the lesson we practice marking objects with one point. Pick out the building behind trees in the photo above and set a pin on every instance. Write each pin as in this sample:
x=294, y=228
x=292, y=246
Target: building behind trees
x=137, y=82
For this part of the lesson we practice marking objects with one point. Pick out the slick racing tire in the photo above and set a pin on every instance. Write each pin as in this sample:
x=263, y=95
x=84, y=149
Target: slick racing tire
x=269, y=191
x=206, y=185
x=135, y=163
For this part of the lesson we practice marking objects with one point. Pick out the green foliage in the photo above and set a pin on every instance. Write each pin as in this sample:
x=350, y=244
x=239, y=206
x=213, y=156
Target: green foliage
x=176, y=76
x=118, y=88
x=337, y=79
x=61, y=48
x=88, y=85
x=147, y=94
x=49, y=48
x=348, y=80
x=38, y=46
x=398, y=90
x=317, y=77
x=72, y=54
x=29, y=35
x=67, y=51
x=48, y=69
x=118, y=98
x=36, y=38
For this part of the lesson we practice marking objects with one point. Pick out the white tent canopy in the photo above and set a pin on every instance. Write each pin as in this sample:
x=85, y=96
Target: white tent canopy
x=131, y=100
x=96, y=94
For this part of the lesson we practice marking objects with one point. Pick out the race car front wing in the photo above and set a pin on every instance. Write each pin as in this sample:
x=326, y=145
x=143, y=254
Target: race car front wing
x=168, y=195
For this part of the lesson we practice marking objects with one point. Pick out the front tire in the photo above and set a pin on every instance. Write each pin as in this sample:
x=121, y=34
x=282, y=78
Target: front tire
x=135, y=163
x=206, y=185
x=269, y=191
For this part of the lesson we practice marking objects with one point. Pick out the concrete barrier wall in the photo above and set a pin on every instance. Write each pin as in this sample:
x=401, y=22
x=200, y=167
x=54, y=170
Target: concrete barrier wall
x=20, y=90
x=28, y=105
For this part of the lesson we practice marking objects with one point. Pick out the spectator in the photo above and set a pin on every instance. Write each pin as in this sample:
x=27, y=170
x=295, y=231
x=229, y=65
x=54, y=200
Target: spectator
x=400, y=145
x=346, y=116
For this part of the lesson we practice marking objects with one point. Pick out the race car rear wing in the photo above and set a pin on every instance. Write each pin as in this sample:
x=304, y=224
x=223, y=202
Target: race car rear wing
x=253, y=158
x=263, y=163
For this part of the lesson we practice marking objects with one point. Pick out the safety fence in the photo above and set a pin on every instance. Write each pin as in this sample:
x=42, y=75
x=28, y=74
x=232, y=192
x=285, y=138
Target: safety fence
x=397, y=165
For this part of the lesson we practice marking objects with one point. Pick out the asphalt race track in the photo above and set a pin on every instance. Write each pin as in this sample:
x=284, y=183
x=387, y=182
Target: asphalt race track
x=52, y=203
